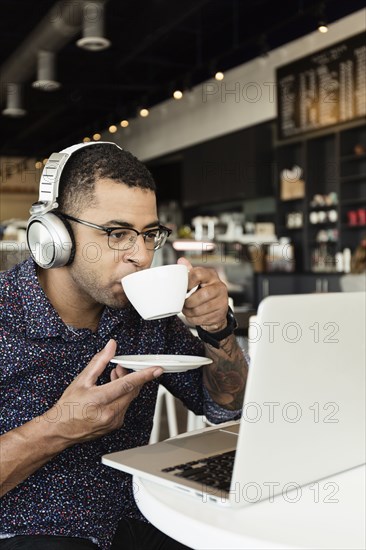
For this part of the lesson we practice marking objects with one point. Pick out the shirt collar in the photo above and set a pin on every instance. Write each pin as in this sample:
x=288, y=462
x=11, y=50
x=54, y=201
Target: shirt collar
x=43, y=321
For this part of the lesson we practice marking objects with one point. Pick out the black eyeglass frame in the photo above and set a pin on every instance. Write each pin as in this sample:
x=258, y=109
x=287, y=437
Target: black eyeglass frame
x=109, y=230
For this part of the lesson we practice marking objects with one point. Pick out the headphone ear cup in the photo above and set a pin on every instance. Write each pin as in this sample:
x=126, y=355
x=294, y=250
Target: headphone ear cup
x=50, y=240
x=68, y=228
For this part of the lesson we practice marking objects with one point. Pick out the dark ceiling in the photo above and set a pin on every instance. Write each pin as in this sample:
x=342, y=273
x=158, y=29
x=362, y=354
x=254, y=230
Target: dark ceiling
x=155, y=45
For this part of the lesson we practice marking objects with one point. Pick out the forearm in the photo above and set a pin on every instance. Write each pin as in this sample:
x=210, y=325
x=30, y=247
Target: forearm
x=225, y=378
x=26, y=449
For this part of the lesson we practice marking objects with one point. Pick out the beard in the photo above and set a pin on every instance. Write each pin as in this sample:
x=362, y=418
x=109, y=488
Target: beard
x=90, y=286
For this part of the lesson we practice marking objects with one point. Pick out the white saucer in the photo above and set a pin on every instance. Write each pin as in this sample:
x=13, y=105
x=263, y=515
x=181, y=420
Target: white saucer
x=170, y=363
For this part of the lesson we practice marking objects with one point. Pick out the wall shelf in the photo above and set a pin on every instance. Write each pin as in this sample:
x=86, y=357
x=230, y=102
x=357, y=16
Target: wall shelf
x=355, y=178
x=329, y=165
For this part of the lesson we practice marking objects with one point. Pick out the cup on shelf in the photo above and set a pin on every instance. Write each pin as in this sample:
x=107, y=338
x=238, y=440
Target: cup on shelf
x=333, y=216
x=313, y=217
x=322, y=216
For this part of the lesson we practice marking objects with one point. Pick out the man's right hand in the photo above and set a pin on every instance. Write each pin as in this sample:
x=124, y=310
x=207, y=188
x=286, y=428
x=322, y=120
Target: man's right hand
x=86, y=411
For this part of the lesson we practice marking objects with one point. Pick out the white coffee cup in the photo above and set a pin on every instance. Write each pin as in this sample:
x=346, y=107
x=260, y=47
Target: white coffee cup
x=157, y=292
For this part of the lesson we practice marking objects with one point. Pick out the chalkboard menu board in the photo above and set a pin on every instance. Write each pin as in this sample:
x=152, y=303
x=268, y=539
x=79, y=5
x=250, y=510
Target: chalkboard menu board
x=323, y=89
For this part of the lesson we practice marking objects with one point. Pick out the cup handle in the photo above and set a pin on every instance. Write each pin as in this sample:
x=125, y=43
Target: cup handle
x=190, y=292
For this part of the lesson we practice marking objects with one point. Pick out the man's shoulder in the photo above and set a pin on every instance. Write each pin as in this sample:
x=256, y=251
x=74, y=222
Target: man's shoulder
x=11, y=292
x=8, y=282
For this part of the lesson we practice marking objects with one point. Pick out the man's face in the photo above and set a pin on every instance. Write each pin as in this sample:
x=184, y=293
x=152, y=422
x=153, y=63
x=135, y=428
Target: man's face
x=97, y=269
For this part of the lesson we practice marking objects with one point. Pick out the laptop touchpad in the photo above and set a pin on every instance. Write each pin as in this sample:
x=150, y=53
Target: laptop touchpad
x=213, y=441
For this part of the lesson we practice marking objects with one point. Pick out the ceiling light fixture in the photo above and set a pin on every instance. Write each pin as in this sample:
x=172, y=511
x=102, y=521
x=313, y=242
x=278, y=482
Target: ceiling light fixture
x=93, y=28
x=46, y=72
x=14, y=101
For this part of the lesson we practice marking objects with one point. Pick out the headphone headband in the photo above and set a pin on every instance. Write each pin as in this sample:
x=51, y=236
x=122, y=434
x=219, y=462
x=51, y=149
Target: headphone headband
x=51, y=175
x=50, y=239
x=50, y=178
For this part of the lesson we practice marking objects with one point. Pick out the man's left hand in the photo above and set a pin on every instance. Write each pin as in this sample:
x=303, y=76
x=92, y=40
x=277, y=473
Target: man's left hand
x=208, y=305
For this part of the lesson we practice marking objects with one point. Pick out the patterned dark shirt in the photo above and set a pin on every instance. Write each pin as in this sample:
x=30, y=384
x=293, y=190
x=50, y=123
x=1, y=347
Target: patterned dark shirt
x=74, y=494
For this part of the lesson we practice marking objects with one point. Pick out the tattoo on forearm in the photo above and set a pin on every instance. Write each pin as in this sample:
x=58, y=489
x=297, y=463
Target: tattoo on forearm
x=229, y=347
x=226, y=377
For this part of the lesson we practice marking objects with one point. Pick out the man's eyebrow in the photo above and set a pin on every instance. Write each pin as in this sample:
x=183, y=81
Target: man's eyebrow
x=121, y=223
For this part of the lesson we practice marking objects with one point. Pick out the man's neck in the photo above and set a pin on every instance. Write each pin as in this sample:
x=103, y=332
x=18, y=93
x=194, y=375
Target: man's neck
x=75, y=310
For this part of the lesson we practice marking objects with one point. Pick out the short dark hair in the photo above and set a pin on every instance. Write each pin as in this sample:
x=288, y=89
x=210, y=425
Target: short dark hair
x=102, y=160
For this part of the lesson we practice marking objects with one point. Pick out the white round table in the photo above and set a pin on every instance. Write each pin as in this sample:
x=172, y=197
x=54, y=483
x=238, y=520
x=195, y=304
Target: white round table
x=328, y=514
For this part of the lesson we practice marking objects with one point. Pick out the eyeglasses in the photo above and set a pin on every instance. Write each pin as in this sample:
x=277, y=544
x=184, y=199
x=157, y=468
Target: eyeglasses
x=123, y=238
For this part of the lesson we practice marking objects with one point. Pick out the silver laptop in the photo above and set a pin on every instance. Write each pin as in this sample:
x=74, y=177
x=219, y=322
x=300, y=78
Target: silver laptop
x=303, y=414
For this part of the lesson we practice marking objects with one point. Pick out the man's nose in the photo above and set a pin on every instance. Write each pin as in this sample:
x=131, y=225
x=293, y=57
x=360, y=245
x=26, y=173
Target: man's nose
x=138, y=254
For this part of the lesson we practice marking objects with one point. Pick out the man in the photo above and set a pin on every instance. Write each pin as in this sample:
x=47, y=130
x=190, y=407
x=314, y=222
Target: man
x=64, y=404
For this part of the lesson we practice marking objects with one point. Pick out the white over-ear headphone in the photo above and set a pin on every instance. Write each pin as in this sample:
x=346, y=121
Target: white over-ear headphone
x=50, y=238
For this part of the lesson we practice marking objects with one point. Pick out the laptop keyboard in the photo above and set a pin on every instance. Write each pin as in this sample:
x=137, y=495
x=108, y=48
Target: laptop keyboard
x=214, y=471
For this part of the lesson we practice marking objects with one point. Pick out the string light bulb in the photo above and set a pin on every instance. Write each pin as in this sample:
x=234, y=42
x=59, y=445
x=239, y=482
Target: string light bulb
x=112, y=129
x=177, y=94
x=124, y=123
x=322, y=20
x=96, y=137
x=219, y=75
x=322, y=27
x=86, y=140
x=144, y=112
